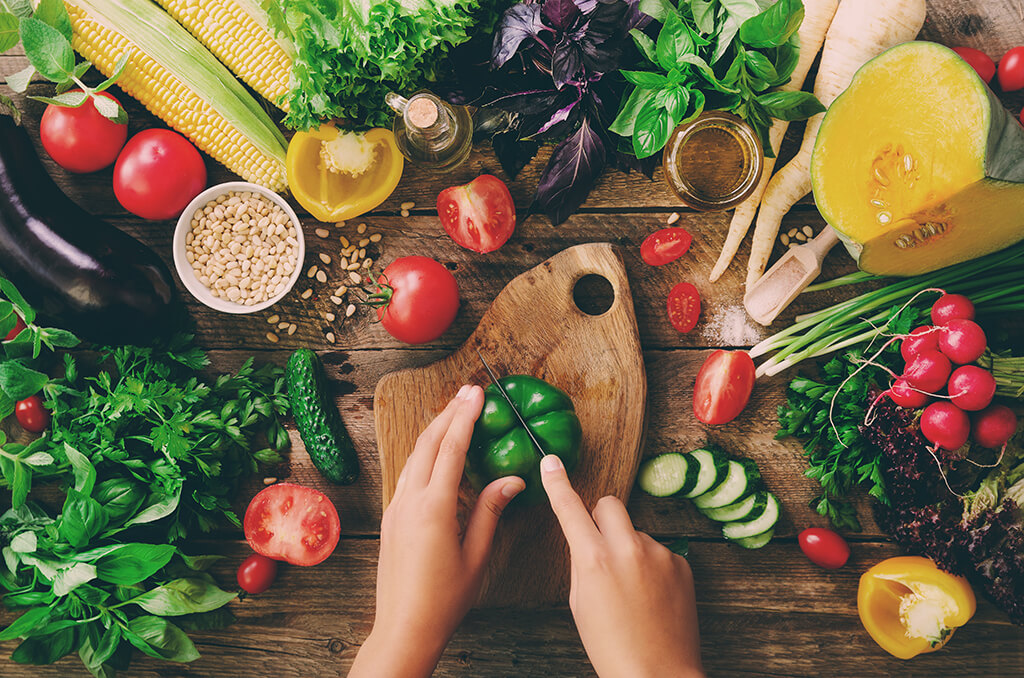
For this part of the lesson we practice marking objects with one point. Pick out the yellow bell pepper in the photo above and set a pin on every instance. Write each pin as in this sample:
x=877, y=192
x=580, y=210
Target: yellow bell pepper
x=909, y=606
x=339, y=175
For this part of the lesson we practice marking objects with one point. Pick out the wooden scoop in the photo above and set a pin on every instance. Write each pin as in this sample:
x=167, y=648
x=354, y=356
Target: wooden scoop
x=783, y=282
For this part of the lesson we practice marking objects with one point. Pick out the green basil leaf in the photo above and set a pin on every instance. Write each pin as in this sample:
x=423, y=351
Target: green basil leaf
x=8, y=31
x=626, y=119
x=11, y=561
x=8, y=289
x=66, y=100
x=760, y=66
x=33, y=619
x=786, y=58
x=790, y=105
x=20, y=8
x=20, y=382
x=645, y=78
x=82, y=518
x=7, y=405
x=774, y=26
x=653, y=127
x=199, y=563
x=24, y=542
x=21, y=483
x=47, y=50
x=38, y=459
x=54, y=13
x=95, y=649
x=184, y=596
x=85, y=472
x=120, y=498
x=39, y=650
x=673, y=42
x=68, y=579
x=644, y=44
x=110, y=109
x=159, y=638
x=704, y=15
x=92, y=595
x=657, y=9
x=158, y=506
x=132, y=563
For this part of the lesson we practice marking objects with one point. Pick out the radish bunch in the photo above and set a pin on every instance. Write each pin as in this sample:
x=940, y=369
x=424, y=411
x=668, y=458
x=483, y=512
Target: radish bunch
x=938, y=358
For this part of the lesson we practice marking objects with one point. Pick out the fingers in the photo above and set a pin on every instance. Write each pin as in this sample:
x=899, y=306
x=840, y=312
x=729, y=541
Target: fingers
x=451, y=455
x=483, y=521
x=421, y=462
x=613, y=520
x=572, y=515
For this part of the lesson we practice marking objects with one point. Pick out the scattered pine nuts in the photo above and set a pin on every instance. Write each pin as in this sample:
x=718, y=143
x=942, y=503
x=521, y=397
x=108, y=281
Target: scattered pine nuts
x=336, y=301
x=361, y=228
x=325, y=258
x=292, y=328
x=330, y=337
x=364, y=242
x=367, y=263
x=808, y=231
x=269, y=481
x=274, y=319
x=355, y=277
x=307, y=293
x=673, y=218
x=374, y=238
x=312, y=271
x=784, y=238
x=408, y=205
x=329, y=317
x=322, y=232
x=340, y=224
x=362, y=253
x=283, y=325
x=350, y=310
x=792, y=232
x=800, y=236
x=340, y=291
x=404, y=213
x=272, y=338
x=344, y=241
x=321, y=276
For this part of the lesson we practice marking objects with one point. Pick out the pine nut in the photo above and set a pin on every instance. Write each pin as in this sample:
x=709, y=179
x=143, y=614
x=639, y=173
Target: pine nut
x=283, y=325
x=673, y=218
x=322, y=232
x=330, y=337
x=311, y=272
x=274, y=319
x=292, y=328
x=307, y=294
x=344, y=241
x=336, y=301
x=408, y=205
x=329, y=317
x=272, y=338
x=404, y=213
x=340, y=291
x=375, y=237
x=361, y=228
x=325, y=258
x=784, y=239
x=355, y=277
x=321, y=276
x=350, y=310
x=808, y=231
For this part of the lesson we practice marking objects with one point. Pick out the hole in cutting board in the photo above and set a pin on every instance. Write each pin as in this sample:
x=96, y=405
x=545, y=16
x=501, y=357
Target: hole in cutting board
x=593, y=294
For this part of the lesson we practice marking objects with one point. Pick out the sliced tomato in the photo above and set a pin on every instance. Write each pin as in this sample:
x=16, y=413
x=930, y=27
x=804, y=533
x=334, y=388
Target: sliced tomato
x=665, y=246
x=479, y=215
x=684, y=307
x=723, y=387
x=292, y=523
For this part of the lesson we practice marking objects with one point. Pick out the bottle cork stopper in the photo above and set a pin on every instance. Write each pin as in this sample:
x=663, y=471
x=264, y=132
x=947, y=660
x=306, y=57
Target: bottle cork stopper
x=422, y=113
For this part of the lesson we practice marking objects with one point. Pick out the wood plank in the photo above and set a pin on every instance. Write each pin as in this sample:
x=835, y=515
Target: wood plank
x=763, y=613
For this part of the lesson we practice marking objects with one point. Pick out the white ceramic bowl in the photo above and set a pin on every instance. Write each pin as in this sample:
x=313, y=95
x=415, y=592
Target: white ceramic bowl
x=188, y=276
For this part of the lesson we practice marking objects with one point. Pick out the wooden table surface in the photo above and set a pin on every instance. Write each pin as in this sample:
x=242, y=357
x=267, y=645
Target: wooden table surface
x=766, y=612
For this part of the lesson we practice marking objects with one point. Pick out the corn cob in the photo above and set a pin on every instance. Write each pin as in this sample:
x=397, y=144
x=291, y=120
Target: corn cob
x=237, y=33
x=182, y=83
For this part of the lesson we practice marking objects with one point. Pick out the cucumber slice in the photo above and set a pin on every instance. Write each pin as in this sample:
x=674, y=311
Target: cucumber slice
x=692, y=475
x=757, y=541
x=712, y=468
x=762, y=523
x=664, y=475
x=745, y=509
x=739, y=482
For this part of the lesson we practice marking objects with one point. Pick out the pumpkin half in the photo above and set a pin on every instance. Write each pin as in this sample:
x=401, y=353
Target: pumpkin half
x=918, y=166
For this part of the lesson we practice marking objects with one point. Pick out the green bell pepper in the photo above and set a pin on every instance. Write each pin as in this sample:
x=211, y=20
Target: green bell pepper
x=502, y=447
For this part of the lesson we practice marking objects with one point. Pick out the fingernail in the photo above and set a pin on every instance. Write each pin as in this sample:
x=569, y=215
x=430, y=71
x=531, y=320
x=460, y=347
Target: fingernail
x=550, y=462
x=462, y=392
x=513, y=487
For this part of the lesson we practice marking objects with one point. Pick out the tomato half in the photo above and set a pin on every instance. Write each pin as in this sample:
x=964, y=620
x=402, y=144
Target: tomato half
x=292, y=523
x=417, y=299
x=157, y=174
x=479, y=215
x=19, y=325
x=1011, y=70
x=31, y=414
x=256, y=573
x=723, y=387
x=80, y=139
x=824, y=548
x=684, y=307
x=979, y=61
x=665, y=246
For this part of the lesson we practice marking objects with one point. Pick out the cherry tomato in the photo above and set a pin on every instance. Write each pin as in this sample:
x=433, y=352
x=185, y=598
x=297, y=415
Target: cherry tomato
x=1011, y=70
x=19, y=325
x=665, y=246
x=979, y=61
x=824, y=548
x=31, y=414
x=80, y=139
x=418, y=299
x=479, y=215
x=292, y=523
x=257, y=573
x=724, y=384
x=684, y=307
x=157, y=174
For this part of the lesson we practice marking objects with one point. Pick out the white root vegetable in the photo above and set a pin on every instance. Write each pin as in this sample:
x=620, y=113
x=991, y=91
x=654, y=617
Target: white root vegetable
x=860, y=31
x=817, y=18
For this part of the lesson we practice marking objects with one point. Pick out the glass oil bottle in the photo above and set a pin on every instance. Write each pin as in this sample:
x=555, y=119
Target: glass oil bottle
x=430, y=132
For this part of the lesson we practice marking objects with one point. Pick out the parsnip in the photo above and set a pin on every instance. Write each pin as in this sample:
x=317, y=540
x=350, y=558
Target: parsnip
x=817, y=18
x=860, y=31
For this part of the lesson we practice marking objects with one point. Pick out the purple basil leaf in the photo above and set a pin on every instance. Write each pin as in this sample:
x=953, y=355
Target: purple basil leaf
x=574, y=166
x=513, y=153
x=532, y=102
x=606, y=20
x=560, y=13
x=520, y=22
x=634, y=17
x=559, y=116
x=566, y=63
x=587, y=6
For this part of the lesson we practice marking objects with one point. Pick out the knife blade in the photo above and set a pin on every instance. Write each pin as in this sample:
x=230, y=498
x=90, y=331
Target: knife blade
x=504, y=394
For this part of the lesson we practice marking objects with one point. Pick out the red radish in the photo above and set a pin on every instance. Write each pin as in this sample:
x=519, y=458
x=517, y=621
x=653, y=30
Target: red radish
x=994, y=426
x=928, y=371
x=946, y=425
x=924, y=338
x=971, y=387
x=951, y=307
x=962, y=341
x=904, y=395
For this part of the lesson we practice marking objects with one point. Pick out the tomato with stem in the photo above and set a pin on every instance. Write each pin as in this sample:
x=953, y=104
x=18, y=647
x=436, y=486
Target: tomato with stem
x=665, y=246
x=292, y=523
x=684, y=307
x=81, y=139
x=416, y=299
x=723, y=387
x=479, y=215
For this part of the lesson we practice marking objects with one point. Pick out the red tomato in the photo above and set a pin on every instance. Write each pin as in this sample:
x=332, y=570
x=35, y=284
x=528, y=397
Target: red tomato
x=292, y=523
x=684, y=307
x=824, y=548
x=665, y=246
x=31, y=414
x=417, y=299
x=157, y=174
x=18, y=327
x=723, y=386
x=479, y=215
x=979, y=61
x=1011, y=70
x=256, y=573
x=80, y=139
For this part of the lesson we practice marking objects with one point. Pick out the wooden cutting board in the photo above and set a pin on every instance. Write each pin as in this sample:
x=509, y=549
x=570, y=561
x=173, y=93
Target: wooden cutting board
x=535, y=327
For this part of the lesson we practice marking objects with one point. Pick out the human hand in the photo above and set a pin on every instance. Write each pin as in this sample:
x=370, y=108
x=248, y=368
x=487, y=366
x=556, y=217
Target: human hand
x=632, y=598
x=429, y=575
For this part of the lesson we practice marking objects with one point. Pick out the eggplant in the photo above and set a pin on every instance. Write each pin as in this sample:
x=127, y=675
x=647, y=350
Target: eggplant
x=79, y=272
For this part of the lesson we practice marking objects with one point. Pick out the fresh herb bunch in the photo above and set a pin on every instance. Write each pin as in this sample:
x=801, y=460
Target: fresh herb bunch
x=45, y=34
x=714, y=54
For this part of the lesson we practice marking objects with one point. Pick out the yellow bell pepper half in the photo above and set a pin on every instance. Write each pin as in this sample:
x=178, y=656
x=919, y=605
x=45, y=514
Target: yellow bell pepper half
x=909, y=606
x=339, y=175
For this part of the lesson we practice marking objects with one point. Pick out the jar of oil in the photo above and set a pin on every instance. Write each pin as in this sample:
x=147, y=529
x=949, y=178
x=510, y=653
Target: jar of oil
x=713, y=162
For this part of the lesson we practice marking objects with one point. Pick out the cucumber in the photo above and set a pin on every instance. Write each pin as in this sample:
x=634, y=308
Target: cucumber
x=664, y=475
x=318, y=420
x=757, y=541
x=712, y=466
x=740, y=481
x=745, y=509
x=750, y=528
